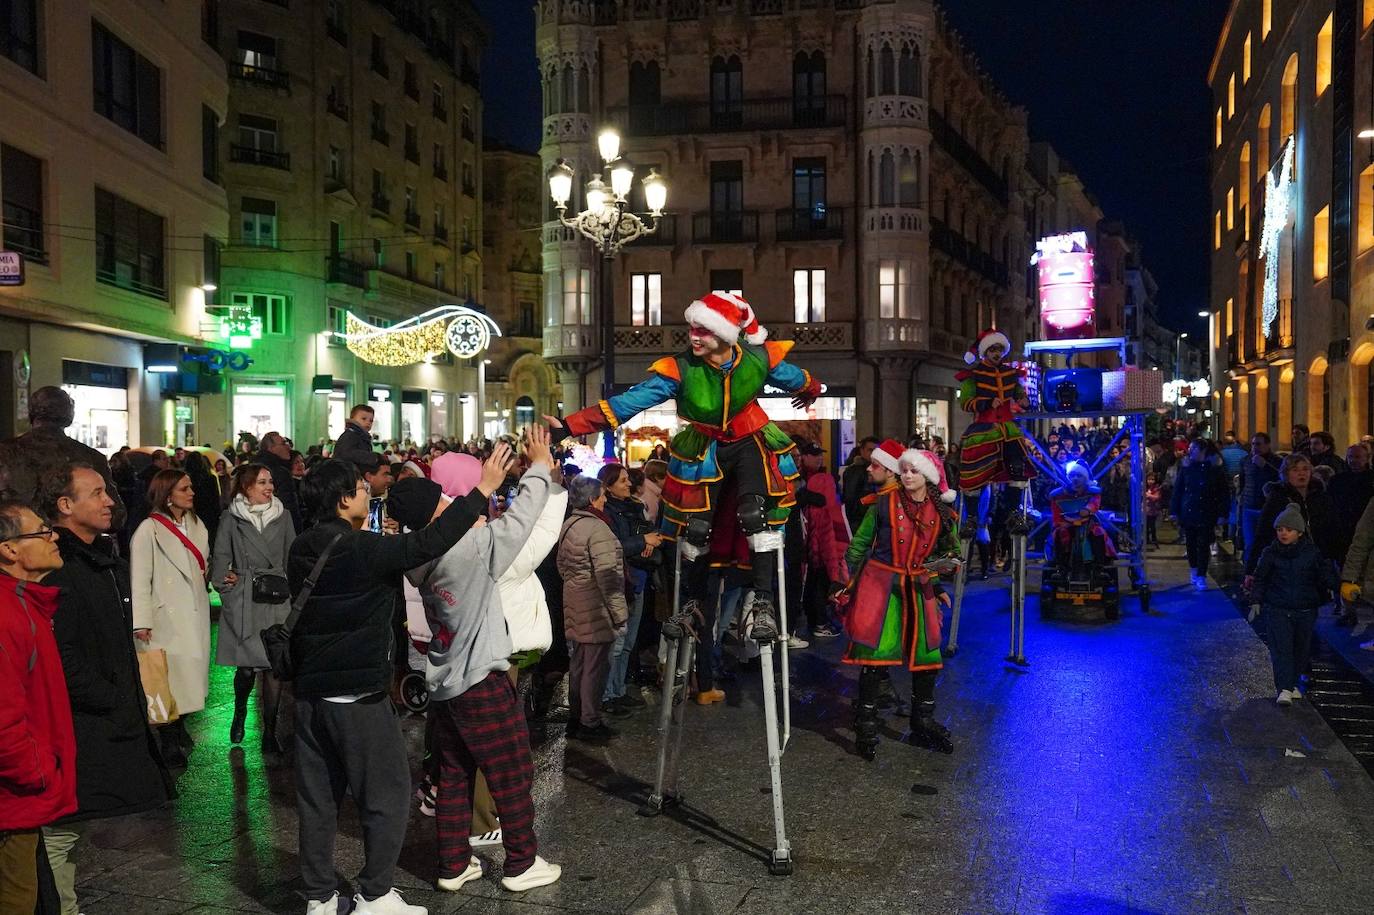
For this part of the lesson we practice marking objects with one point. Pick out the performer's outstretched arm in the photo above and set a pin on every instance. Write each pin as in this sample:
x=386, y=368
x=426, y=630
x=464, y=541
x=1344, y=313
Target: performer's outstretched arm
x=609, y=414
x=788, y=377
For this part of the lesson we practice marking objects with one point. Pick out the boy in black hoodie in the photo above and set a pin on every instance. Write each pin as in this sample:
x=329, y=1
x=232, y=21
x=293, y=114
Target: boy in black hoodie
x=1292, y=580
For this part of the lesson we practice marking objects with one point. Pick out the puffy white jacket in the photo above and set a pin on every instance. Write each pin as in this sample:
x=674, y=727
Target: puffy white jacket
x=522, y=596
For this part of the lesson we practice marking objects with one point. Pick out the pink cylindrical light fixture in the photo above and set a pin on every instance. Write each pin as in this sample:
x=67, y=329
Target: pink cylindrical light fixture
x=1068, y=295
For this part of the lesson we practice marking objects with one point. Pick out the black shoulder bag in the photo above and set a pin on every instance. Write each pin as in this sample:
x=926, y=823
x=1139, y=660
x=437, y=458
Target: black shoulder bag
x=276, y=639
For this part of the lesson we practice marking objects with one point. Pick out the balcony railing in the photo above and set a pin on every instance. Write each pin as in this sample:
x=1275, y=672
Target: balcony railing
x=336, y=106
x=23, y=232
x=154, y=286
x=814, y=224
x=962, y=152
x=250, y=155
x=665, y=234
x=380, y=135
x=726, y=228
x=751, y=114
x=950, y=242
x=262, y=76
x=671, y=338
x=381, y=203
x=347, y=271
x=336, y=31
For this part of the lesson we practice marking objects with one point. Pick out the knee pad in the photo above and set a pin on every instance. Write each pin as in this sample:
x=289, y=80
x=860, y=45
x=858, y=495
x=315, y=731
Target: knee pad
x=698, y=532
x=753, y=514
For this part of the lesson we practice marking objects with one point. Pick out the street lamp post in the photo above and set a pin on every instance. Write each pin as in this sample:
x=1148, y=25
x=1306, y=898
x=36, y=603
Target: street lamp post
x=609, y=224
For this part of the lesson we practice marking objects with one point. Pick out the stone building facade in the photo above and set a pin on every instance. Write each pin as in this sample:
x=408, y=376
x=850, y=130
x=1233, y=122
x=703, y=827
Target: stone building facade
x=844, y=164
x=1293, y=75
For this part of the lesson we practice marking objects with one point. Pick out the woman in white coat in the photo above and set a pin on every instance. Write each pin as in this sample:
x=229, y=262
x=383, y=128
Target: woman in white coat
x=168, y=565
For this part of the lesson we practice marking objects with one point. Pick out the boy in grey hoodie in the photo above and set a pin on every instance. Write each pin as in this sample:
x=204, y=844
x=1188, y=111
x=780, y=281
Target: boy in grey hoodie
x=476, y=715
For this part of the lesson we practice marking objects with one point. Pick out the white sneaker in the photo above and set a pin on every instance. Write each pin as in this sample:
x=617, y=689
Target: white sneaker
x=795, y=642
x=1285, y=697
x=454, y=884
x=541, y=873
x=486, y=838
x=390, y=904
x=1296, y=693
x=329, y=907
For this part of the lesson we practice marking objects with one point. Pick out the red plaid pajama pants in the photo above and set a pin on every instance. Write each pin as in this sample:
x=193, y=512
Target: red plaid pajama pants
x=484, y=728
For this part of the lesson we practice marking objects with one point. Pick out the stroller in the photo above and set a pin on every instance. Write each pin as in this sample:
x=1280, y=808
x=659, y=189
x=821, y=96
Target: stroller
x=412, y=690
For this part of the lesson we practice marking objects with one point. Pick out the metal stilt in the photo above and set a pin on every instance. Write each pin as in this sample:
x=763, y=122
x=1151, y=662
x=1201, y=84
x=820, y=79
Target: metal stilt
x=782, y=643
x=780, y=864
x=672, y=708
x=960, y=579
x=1020, y=525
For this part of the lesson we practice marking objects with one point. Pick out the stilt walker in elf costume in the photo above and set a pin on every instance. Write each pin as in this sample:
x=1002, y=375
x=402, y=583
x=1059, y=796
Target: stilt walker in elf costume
x=893, y=612
x=993, y=448
x=731, y=470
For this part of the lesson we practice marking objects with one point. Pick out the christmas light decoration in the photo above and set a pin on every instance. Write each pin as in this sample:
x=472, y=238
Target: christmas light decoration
x=1278, y=198
x=1068, y=294
x=461, y=331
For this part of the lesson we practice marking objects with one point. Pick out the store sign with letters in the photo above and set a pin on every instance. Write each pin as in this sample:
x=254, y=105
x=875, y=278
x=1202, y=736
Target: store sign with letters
x=11, y=268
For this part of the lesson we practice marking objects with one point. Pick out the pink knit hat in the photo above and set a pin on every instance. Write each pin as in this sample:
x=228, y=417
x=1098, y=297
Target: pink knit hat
x=456, y=472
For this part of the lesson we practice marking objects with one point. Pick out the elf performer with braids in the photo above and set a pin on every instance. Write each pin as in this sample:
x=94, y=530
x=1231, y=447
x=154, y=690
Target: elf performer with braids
x=730, y=469
x=993, y=447
x=892, y=607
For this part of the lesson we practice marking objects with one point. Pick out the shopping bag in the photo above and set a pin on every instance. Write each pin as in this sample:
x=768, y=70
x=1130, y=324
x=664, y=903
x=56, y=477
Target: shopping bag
x=152, y=670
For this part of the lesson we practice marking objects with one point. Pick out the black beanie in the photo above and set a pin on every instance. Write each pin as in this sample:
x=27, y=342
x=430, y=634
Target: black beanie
x=412, y=501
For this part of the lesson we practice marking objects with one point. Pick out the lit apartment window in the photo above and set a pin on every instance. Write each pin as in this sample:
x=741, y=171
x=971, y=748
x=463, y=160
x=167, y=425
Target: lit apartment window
x=1365, y=224
x=271, y=310
x=808, y=296
x=1218, y=127
x=128, y=86
x=646, y=299
x=1367, y=14
x=1230, y=317
x=1321, y=244
x=1216, y=231
x=1230, y=209
x=1231, y=98
x=258, y=227
x=577, y=295
x=19, y=33
x=1248, y=56
x=893, y=285
x=1266, y=18
x=1324, y=55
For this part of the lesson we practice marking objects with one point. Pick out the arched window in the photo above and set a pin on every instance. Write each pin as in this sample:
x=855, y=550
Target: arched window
x=569, y=89
x=1288, y=107
x=909, y=180
x=1263, y=158
x=909, y=71
x=887, y=182
x=1243, y=181
x=808, y=89
x=727, y=92
x=887, y=71
x=584, y=89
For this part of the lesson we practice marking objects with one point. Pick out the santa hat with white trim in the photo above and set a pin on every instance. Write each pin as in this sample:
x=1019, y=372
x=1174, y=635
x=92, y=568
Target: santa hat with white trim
x=932, y=468
x=990, y=337
x=727, y=316
x=889, y=454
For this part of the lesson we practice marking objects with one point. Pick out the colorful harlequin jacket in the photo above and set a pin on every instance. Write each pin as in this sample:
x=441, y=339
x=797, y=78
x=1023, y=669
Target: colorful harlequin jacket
x=717, y=405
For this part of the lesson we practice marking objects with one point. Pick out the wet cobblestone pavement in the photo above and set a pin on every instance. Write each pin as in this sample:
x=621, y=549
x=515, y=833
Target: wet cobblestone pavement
x=1139, y=766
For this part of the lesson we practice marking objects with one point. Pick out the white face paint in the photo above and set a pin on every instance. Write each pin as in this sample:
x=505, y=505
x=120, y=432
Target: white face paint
x=913, y=481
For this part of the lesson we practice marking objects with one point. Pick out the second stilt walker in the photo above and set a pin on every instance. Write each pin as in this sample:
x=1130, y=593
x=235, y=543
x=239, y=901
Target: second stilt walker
x=731, y=470
x=893, y=604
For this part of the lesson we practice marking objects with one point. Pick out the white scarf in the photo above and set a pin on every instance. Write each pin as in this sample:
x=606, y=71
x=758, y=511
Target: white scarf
x=260, y=515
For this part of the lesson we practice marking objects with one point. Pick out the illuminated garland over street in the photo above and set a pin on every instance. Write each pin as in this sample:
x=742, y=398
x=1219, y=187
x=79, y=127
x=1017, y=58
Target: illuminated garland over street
x=461, y=331
x=1278, y=198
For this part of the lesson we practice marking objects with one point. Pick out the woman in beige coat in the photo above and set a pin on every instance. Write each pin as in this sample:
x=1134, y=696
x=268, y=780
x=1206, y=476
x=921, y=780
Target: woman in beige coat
x=168, y=560
x=594, y=608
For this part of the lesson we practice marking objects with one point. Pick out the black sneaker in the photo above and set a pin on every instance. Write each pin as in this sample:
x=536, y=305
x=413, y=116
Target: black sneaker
x=632, y=700
x=599, y=734
x=614, y=709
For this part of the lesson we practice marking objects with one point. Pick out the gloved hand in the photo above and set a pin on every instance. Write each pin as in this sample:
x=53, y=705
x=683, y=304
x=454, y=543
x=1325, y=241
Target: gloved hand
x=1350, y=592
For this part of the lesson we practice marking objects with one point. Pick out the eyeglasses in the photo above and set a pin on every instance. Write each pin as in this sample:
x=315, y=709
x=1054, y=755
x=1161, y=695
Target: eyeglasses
x=365, y=486
x=45, y=532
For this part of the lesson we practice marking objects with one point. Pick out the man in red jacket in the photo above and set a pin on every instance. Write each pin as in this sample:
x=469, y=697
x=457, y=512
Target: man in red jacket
x=37, y=743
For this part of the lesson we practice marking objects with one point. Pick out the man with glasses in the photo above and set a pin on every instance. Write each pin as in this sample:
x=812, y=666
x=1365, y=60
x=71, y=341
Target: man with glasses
x=1256, y=471
x=37, y=744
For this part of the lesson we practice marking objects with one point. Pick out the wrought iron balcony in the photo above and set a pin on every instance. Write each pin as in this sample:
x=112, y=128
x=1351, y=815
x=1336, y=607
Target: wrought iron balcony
x=250, y=155
x=950, y=242
x=962, y=152
x=751, y=114
x=814, y=224
x=262, y=76
x=347, y=271
x=739, y=226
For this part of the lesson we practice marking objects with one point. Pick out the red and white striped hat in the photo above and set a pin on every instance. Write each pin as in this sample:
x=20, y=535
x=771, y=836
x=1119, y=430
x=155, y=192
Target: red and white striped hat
x=889, y=454
x=727, y=316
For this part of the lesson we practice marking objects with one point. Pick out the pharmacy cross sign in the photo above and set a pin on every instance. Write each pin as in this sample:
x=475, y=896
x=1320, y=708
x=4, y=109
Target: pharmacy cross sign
x=1278, y=199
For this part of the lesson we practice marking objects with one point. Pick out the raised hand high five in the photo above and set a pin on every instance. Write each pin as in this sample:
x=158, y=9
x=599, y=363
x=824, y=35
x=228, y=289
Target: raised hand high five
x=495, y=468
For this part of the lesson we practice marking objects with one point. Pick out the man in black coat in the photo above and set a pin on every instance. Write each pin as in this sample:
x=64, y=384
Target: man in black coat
x=119, y=769
x=343, y=651
x=355, y=442
x=854, y=483
x=275, y=455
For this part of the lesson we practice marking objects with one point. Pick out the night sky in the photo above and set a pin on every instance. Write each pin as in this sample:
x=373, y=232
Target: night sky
x=1119, y=89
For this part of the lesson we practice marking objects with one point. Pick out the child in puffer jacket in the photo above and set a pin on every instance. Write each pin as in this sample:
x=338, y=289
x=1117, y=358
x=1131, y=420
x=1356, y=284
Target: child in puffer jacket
x=1292, y=580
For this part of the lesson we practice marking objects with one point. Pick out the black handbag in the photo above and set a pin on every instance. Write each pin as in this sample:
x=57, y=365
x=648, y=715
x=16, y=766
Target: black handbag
x=270, y=588
x=276, y=639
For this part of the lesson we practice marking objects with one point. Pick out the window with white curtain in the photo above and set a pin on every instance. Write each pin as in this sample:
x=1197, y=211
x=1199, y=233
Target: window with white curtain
x=577, y=295
x=808, y=296
x=646, y=299
x=894, y=285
